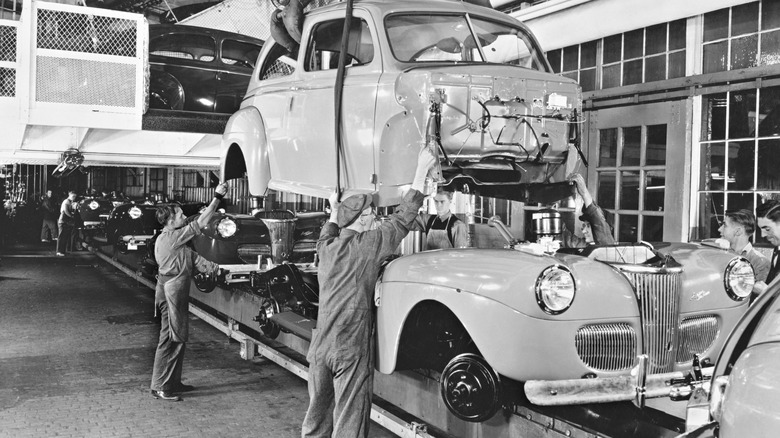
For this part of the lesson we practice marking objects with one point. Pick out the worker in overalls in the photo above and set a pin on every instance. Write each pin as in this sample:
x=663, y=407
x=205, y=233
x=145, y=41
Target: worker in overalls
x=351, y=249
x=177, y=264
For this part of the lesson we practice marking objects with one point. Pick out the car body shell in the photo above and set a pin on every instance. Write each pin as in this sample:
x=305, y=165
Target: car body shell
x=94, y=212
x=492, y=293
x=199, y=69
x=387, y=116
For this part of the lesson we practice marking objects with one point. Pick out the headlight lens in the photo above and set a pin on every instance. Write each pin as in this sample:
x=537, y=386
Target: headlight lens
x=739, y=279
x=555, y=289
x=94, y=205
x=226, y=227
x=134, y=212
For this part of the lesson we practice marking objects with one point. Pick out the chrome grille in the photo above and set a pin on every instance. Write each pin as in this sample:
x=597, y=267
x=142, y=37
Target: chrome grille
x=658, y=296
x=607, y=347
x=696, y=336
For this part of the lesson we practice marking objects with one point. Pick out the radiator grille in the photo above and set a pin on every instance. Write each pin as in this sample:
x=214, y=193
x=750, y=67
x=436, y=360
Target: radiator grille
x=696, y=336
x=83, y=82
x=659, y=307
x=607, y=347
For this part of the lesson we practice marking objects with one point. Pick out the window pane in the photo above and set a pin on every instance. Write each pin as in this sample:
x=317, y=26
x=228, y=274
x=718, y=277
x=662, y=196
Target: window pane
x=713, y=164
x=677, y=34
x=606, y=191
x=742, y=114
x=655, y=68
x=676, y=65
x=653, y=228
x=710, y=215
x=632, y=72
x=632, y=139
x=571, y=58
x=656, y=39
x=571, y=75
x=588, y=54
x=610, y=76
x=768, y=165
x=769, y=112
x=240, y=54
x=629, y=190
x=655, y=150
x=655, y=183
x=743, y=52
x=714, y=57
x=554, y=57
x=714, y=117
x=716, y=25
x=741, y=165
x=770, y=48
x=633, y=44
x=628, y=228
x=744, y=19
x=608, y=147
x=738, y=201
x=613, y=47
x=770, y=15
x=588, y=79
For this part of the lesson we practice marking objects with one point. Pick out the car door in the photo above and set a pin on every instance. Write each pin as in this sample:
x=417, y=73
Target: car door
x=183, y=71
x=237, y=59
x=311, y=120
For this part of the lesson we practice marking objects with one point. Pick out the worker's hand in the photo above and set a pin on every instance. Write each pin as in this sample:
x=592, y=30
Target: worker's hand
x=222, y=188
x=334, y=206
x=582, y=189
x=425, y=161
x=759, y=287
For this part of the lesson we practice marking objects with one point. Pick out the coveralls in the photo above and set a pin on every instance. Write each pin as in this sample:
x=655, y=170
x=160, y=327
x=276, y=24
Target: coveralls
x=171, y=301
x=49, y=225
x=341, y=353
x=66, y=223
x=437, y=236
x=602, y=234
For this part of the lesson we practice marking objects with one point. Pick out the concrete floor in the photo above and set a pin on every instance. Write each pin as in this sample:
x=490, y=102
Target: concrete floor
x=77, y=342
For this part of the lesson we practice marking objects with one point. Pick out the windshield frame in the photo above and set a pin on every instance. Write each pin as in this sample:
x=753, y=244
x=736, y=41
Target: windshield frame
x=537, y=55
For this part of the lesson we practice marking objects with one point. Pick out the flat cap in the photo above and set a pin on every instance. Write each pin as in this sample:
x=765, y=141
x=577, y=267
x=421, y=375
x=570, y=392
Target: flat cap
x=350, y=208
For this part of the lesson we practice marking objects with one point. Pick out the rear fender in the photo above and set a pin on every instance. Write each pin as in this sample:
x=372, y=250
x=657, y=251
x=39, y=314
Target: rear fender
x=244, y=148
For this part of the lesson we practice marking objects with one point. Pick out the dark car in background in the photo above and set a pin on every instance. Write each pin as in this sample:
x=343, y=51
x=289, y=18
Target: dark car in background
x=93, y=212
x=232, y=239
x=199, y=69
x=131, y=226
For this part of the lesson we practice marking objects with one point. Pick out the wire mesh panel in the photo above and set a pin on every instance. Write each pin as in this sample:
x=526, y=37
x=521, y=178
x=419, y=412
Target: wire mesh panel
x=89, y=67
x=8, y=39
x=85, y=82
x=61, y=30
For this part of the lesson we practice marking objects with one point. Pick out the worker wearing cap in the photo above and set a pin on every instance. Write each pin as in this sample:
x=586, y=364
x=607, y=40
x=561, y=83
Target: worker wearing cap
x=341, y=363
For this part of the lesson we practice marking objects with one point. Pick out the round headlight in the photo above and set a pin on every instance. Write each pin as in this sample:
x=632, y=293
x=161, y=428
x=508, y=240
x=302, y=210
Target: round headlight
x=134, y=212
x=226, y=227
x=739, y=279
x=555, y=289
x=94, y=205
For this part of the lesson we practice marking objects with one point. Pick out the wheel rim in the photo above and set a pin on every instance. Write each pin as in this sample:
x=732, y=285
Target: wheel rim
x=268, y=308
x=205, y=282
x=470, y=388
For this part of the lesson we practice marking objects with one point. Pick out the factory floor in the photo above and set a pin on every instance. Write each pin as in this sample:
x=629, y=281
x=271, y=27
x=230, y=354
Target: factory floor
x=77, y=341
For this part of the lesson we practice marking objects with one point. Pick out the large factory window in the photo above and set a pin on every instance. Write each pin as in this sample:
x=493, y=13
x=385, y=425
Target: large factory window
x=742, y=36
x=649, y=54
x=739, y=154
x=631, y=179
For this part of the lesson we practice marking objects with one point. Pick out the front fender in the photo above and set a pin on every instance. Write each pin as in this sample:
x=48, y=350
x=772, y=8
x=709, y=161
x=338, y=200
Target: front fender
x=244, y=147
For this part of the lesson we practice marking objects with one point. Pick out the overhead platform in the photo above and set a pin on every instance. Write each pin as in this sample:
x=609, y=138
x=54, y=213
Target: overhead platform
x=74, y=77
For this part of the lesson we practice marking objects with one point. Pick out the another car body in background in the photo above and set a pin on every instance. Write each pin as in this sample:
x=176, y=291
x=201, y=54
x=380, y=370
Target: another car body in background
x=199, y=69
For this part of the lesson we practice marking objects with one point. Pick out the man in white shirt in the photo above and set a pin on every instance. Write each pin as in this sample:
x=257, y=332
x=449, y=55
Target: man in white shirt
x=737, y=227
